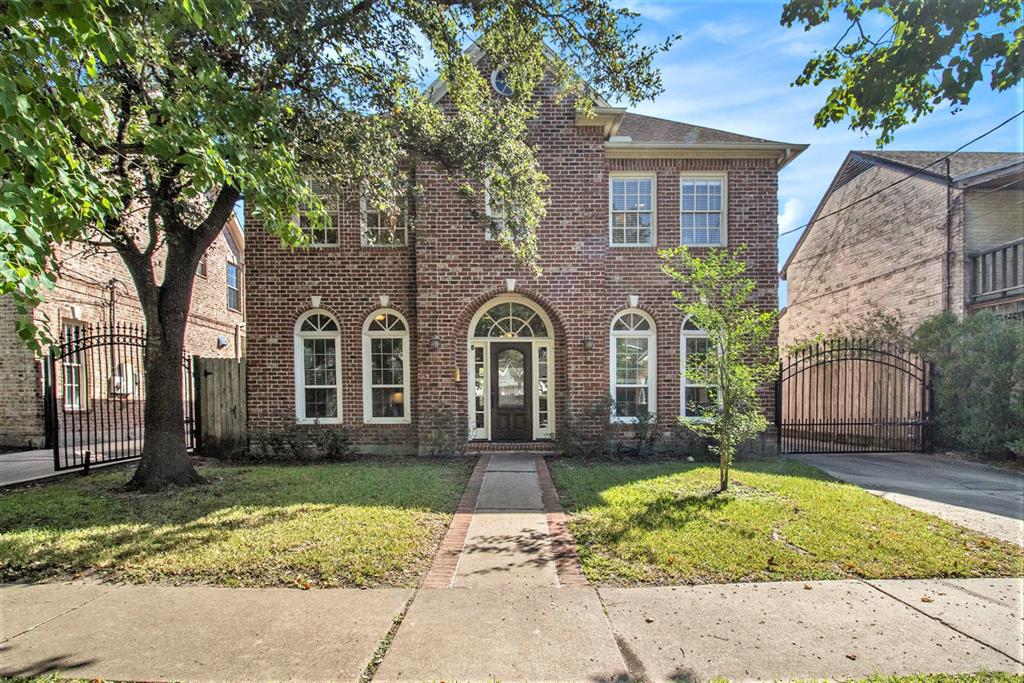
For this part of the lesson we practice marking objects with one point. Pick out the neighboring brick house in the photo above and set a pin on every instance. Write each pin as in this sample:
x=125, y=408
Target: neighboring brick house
x=375, y=336
x=944, y=238
x=95, y=287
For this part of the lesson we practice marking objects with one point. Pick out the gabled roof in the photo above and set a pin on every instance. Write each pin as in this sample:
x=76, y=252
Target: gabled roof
x=933, y=163
x=641, y=128
x=963, y=166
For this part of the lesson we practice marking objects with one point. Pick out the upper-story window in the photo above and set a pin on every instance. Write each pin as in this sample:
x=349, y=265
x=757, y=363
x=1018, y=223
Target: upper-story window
x=323, y=235
x=632, y=365
x=384, y=230
x=234, y=286
x=496, y=213
x=702, y=209
x=500, y=83
x=201, y=268
x=631, y=210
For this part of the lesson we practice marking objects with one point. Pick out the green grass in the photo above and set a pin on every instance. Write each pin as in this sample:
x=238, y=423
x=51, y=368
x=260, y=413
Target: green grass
x=366, y=524
x=662, y=523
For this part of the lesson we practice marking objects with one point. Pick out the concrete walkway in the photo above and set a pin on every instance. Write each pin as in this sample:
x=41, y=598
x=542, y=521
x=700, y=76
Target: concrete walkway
x=980, y=497
x=757, y=631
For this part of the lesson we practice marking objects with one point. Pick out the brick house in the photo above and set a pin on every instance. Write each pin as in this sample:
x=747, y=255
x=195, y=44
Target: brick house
x=944, y=238
x=374, y=333
x=94, y=288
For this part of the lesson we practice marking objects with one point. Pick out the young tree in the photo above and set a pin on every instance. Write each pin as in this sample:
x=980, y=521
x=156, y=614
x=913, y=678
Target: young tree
x=924, y=52
x=138, y=125
x=741, y=355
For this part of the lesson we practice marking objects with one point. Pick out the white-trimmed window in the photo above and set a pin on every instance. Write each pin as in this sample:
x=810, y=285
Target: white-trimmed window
x=382, y=229
x=632, y=362
x=697, y=396
x=72, y=365
x=234, y=286
x=317, y=368
x=495, y=213
x=702, y=209
x=386, y=367
x=631, y=210
x=328, y=235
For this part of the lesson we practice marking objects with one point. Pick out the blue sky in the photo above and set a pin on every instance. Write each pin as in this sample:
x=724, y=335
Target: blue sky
x=733, y=68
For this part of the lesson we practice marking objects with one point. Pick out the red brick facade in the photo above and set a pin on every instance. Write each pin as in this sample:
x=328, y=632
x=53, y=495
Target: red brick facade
x=83, y=295
x=449, y=271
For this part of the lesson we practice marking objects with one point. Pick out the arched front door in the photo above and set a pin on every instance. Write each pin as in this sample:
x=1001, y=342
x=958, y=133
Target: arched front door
x=511, y=356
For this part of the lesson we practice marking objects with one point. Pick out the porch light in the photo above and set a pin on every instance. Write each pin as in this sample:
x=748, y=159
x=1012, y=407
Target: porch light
x=435, y=343
x=588, y=344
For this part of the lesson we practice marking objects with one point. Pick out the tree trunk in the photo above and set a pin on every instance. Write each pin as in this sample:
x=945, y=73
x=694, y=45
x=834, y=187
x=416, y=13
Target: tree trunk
x=723, y=471
x=165, y=460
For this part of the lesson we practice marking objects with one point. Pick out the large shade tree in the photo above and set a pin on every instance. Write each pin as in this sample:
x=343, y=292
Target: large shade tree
x=138, y=125
x=897, y=60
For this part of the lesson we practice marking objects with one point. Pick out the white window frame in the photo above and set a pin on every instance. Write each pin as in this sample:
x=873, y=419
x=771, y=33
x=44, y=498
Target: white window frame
x=724, y=217
x=227, y=282
x=336, y=211
x=368, y=336
x=77, y=364
x=627, y=175
x=404, y=220
x=300, y=375
x=685, y=334
x=652, y=361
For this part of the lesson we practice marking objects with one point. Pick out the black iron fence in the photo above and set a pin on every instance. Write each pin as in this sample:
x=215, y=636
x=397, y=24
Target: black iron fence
x=853, y=395
x=95, y=395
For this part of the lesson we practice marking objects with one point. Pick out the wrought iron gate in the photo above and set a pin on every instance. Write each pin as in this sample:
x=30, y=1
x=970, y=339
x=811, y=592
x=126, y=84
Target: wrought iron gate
x=95, y=394
x=853, y=396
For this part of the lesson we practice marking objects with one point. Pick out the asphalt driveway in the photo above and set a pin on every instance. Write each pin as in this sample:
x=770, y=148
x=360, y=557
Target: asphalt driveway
x=984, y=498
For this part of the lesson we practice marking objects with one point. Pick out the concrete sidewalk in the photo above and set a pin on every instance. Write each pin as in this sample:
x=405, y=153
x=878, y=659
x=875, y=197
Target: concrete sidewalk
x=759, y=631
x=980, y=497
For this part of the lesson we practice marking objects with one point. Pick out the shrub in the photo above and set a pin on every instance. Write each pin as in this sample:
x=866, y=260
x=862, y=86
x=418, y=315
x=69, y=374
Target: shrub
x=447, y=432
x=589, y=433
x=298, y=444
x=980, y=379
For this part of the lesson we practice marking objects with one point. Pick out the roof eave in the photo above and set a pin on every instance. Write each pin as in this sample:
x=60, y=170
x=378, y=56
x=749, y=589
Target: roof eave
x=608, y=118
x=784, y=151
x=986, y=175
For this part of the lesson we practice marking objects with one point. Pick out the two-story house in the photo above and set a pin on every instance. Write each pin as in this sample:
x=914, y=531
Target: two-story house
x=94, y=291
x=912, y=234
x=373, y=333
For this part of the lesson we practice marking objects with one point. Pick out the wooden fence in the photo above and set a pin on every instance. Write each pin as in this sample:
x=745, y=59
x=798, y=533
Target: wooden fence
x=220, y=405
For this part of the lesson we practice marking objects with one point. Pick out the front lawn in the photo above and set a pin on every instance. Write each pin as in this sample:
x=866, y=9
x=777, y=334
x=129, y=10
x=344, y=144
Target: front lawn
x=662, y=523
x=374, y=523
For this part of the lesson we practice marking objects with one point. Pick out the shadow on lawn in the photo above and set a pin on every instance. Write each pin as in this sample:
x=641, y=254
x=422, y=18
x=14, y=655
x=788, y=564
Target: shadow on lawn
x=90, y=523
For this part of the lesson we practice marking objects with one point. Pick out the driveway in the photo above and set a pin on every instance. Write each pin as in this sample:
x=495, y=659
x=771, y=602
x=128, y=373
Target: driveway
x=984, y=498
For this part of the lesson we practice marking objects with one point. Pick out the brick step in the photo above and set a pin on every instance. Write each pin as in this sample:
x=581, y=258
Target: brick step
x=536, y=447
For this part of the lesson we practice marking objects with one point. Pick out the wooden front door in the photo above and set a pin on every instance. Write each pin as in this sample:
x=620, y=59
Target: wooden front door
x=511, y=392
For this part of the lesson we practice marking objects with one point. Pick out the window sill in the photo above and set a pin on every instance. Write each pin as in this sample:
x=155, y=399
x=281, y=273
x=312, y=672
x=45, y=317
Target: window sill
x=387, y=420
x=612, y=245
x=318, y=420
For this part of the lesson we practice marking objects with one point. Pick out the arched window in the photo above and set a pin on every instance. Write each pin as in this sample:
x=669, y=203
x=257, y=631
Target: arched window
x=697, y=393
x=510, y=319
x=632, y=362
x=317, y=368
x=385, y=367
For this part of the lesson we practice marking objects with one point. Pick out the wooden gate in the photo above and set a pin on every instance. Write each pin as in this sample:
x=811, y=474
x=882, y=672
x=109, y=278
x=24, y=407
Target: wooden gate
x=220, y=405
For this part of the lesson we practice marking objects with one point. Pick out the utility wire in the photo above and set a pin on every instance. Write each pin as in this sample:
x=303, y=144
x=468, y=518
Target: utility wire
x=905, y=178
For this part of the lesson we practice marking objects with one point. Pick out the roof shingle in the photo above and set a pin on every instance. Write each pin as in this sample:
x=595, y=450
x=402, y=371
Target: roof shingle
x=651, y=129
x=960, y=163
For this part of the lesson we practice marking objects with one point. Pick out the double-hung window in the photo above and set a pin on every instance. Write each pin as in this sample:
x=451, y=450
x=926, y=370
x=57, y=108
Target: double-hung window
x=386, y=368
x=632, y=365
x=631, y=210
x=73, y=366
x=317, y=369
x=380, y=229
x=234, y=277
x=322, y=234
x=702, y=210
x=698, y=396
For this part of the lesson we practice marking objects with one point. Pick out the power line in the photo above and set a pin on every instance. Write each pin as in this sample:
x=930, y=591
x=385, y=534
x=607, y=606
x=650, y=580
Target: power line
x=917, y=172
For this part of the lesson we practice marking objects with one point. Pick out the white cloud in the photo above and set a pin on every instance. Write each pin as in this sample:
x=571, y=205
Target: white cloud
x=723, y=31
x=792, y=214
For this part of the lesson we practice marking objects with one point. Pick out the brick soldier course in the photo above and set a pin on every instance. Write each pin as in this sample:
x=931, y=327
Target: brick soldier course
x=448, y=272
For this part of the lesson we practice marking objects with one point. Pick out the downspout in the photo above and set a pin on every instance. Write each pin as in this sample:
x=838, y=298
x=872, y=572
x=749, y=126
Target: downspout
x=948, y=270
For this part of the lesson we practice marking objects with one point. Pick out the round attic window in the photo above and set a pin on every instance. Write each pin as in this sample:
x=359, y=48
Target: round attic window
x=500, y=84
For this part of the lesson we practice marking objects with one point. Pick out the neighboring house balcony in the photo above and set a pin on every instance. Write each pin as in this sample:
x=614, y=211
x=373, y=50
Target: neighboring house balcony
x=996, y=275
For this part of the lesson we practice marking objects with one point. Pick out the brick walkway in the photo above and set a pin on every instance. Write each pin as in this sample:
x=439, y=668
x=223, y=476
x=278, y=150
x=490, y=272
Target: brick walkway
x=509, y=531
